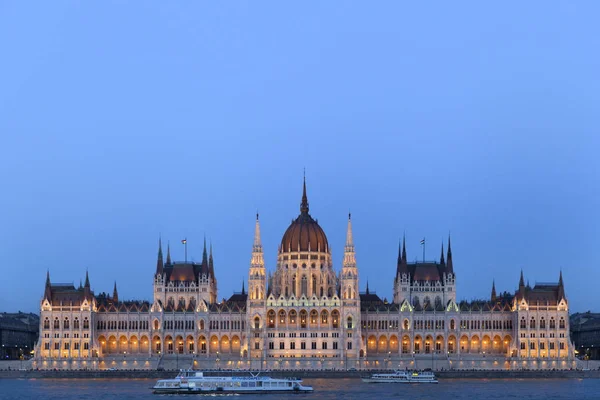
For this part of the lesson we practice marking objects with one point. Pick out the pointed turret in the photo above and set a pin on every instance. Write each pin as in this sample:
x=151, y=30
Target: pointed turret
x=168, y=253
x=86, y=285
x=561, y=287
x=402, y=267
x=304, y=204
x=159, y=261
x=367, y=292
x=257, y=246
x=204, y=255
x=442, y=261
x=115, y=293
x=493, y=296
x=48, y=288
x=211, y=268
x=449, y=265
x=349, y=254
x=521, y=280
x=243, y=288
x=80, y=284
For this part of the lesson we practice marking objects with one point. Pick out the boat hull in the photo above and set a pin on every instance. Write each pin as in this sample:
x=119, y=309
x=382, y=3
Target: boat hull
x=198, y=390
x=371, y=380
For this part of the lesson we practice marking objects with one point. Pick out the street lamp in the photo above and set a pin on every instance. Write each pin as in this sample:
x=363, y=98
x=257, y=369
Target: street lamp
x=218, y=360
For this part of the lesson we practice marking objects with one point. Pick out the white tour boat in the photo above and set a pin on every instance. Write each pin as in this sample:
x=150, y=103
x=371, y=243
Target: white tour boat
x=399, y=376
x=190, y=381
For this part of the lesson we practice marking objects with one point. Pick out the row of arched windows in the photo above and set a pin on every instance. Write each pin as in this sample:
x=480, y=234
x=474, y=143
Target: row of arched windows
x=66, y=323
x=542, y=323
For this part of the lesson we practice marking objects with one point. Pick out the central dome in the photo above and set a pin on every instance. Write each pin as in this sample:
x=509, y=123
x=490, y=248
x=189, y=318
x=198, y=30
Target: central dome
x=304, y=233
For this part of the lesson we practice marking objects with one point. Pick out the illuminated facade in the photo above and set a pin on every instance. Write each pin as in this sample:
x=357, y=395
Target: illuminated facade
x=305, y=315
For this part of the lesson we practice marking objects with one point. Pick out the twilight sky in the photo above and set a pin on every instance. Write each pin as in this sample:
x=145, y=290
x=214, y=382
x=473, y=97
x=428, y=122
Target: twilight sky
x=120, y=122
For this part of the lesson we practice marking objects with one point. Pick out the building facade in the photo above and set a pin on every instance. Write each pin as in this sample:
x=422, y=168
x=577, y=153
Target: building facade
x=305, y=314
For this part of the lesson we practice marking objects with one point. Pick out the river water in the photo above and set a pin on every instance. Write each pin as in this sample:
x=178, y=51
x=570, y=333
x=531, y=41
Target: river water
x=547, y=389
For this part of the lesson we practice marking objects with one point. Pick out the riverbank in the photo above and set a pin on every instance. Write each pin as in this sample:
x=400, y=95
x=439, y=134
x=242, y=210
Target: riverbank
x=314, y=374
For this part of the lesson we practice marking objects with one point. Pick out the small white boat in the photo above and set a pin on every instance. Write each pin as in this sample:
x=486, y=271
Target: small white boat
x=399, y=376
x=190, y=381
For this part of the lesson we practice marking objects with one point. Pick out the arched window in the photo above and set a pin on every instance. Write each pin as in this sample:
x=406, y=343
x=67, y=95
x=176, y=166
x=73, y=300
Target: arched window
x=86, y=323
x=56, y=323
x=201, y=324
x=76, y=323
x=181, y=305
x=426, y=302
x=349, y=322
x=171, y=303
x=294, y=285
x=561, y=323
x=552, y=323
x=156, y=324
x=256, y=322
x=452, y=324
x=406, y=324
x=66, y=323
x=304, y=285
x=46, y=323
x=542, y=323
x=523, y=324
x=532, y=323
x=303, y=317
x=271, y=319
x=415, y=301
x=438, y=303
x=192, y=303
x=314, y=284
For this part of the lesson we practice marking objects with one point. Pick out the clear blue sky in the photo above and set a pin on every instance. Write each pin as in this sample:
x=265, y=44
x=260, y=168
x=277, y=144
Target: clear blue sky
x=122, y=121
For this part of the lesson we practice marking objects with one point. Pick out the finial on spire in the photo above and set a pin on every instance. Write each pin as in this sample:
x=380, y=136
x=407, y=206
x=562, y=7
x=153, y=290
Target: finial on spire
x=304, y=204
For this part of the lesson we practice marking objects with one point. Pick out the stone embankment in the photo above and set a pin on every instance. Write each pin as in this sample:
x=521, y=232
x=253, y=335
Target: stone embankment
x=313, y=374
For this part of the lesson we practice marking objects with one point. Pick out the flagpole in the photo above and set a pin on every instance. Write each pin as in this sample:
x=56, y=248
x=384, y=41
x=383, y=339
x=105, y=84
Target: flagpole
x=186, y=250
x=423, y=250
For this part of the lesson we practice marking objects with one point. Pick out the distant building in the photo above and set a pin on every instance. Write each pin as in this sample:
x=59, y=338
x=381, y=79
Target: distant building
x=585, y=333
x=305, y=314
x=18, y=335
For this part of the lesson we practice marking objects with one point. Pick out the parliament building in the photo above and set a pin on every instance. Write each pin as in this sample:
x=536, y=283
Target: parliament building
x=304, y=315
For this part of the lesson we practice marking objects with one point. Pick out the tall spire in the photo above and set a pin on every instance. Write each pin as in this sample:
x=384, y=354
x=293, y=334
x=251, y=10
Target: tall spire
x=349, y=238
x=399, y=251
x=521, y=280
x=87, y=279
x=404, y=249
x=115, y=293
x=168, y=253
x=243, y=288
x=367, y=292
x=159, y=261
x=304, y=204
x=349, y=255
x=211, y=269
x=561, y=286
x=48, y=290
x=449, y=265
x=442, y=261
x=493, y=297
x=257, y=242
x=257, y=260
x=204, y=255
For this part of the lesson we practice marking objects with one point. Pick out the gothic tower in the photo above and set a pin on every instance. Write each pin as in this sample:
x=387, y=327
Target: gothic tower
x=350, y=296
x=257, y=292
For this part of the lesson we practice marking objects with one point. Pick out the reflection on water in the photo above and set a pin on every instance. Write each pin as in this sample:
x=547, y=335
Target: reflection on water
x=546, y=389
